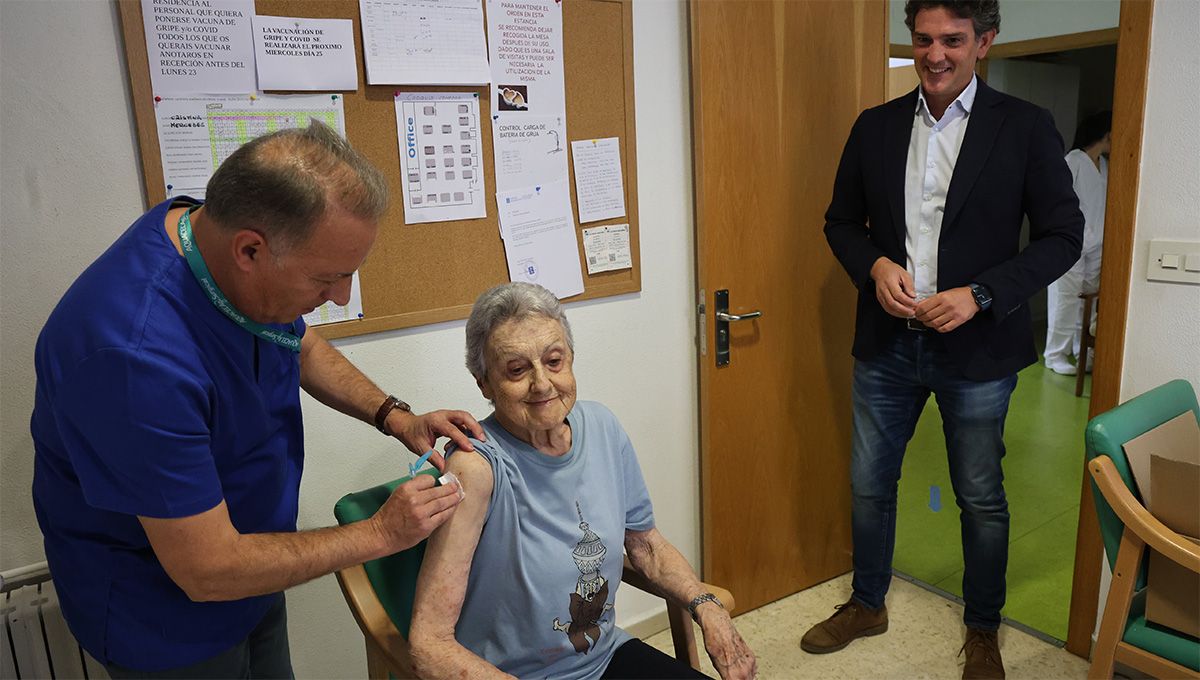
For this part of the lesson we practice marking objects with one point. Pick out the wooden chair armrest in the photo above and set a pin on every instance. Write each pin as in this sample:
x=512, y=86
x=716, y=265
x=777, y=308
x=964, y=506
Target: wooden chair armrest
x=1090, y=295
x=638, y=580
x=1138, y=519
x=373, y=619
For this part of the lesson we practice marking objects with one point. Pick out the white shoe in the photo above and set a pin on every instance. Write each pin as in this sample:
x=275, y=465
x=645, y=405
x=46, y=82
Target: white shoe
x=1061, y=367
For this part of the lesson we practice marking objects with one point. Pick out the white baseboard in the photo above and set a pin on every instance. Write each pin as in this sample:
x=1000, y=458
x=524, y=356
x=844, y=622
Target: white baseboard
x=651, y=625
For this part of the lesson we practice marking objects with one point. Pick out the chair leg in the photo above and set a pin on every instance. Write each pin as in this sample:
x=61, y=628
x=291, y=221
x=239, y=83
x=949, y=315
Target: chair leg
x=683, y=636
x=1085, y=341
x=1116, y=608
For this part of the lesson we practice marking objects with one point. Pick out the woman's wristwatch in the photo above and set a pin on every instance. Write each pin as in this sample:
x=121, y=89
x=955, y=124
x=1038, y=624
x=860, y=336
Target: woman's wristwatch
x=701, y=599
x=385, y=408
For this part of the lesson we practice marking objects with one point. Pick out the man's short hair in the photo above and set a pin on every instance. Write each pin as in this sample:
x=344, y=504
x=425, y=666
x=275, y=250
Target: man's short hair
x=282, y=184
x=984, y=14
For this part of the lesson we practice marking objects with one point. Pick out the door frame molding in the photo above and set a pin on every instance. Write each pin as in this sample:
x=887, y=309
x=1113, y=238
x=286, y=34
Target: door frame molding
x=1021, y=48
x=1120, y=226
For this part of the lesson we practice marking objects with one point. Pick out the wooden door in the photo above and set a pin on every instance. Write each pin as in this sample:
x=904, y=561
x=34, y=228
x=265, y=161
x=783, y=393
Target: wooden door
x=776, y=86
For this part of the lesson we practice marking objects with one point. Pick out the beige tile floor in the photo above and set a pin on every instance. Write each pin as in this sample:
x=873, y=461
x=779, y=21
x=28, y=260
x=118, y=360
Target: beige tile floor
x=925, y=635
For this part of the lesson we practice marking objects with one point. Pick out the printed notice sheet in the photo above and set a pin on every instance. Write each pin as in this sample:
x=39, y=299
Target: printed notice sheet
x=529, y=150
x=196, y=134
x=424, y=42
x=525, y=46
x=440, y=156
x=331, y=312
x=305, y=54
x=199, y=46
x=598, y=186
x=607, y=248
x=539, y=238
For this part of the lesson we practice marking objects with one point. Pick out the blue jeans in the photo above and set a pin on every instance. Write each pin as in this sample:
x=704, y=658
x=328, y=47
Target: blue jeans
x=889, y=394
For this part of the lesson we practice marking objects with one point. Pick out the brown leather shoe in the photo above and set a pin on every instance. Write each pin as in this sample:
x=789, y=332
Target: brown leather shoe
x=851, y=620
x=983, y=655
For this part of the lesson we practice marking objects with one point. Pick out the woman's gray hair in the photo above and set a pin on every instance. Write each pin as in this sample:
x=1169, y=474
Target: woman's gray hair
x=507, y=301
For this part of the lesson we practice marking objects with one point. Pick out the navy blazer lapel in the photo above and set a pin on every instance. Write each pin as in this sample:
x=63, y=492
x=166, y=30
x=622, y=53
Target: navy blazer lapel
x=985, y=121
x=895, y=157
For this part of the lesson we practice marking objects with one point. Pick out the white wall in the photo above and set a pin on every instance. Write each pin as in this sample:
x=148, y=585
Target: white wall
x=69, y=184
x=1162, y=338
x=1029, y=19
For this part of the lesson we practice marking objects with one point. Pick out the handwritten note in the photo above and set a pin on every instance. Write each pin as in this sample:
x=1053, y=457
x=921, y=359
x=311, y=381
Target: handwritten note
x=599, y=189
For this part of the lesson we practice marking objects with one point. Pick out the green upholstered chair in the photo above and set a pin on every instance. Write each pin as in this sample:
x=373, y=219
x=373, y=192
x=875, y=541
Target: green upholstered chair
x=1128, y=529
x=381, y=593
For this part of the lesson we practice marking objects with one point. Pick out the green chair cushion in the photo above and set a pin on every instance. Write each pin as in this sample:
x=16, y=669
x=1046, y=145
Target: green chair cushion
x=1107, y=433
x=394, y=577
x=1169, y=644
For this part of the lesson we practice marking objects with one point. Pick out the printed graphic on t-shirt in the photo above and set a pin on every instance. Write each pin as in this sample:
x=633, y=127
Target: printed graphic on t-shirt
x=589, y=601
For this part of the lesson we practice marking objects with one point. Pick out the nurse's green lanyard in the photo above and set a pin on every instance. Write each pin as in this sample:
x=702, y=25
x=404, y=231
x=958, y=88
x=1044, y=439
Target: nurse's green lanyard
x=200, y=270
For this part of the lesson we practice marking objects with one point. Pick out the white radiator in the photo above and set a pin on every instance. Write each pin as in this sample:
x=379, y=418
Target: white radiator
x=36, y=642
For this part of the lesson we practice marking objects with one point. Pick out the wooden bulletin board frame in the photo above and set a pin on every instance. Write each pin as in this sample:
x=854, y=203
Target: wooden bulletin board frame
x=428, y=273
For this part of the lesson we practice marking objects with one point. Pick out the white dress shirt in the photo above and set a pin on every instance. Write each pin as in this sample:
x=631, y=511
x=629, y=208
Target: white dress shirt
x=932, y=152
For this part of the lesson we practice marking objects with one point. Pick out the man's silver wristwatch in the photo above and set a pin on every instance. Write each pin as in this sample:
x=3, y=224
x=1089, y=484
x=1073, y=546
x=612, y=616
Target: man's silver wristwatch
x=701, y=599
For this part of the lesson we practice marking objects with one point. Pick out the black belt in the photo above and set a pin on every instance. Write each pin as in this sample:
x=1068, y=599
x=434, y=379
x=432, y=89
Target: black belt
x=914, y=325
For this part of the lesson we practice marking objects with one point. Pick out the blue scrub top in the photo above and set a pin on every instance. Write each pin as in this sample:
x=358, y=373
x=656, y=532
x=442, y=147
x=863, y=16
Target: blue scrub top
x=151, y=402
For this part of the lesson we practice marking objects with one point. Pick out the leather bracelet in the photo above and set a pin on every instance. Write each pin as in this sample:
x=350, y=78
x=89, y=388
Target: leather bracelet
x=386, y=408
x=701, y=599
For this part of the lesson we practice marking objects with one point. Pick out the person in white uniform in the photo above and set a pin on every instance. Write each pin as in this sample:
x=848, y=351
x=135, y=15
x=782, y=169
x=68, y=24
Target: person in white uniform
x=1089, y=172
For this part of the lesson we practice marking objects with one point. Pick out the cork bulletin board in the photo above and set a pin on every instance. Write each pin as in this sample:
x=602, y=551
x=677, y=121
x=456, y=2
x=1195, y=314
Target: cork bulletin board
x=420, y=274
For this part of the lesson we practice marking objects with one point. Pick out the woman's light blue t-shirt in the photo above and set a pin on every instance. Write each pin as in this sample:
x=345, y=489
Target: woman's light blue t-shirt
x=544, y=578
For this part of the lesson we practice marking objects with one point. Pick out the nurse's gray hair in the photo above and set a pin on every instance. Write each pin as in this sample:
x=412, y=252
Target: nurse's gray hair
x=284, y=183
x=507, y=301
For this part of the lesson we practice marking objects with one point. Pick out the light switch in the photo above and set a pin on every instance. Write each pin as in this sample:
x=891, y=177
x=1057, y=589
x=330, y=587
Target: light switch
x=1174, y=261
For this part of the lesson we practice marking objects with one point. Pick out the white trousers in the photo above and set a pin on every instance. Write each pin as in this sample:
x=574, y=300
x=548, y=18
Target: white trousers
x=1064, y=309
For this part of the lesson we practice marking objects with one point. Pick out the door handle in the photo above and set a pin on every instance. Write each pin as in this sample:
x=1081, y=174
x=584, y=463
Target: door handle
x=723, y=319
x=727, y=317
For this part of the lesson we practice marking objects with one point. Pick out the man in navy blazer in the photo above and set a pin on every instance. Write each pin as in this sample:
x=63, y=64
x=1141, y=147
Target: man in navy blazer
x=926, y=218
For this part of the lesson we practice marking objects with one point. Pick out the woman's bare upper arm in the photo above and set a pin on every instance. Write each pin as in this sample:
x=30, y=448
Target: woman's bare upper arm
x=442, y=584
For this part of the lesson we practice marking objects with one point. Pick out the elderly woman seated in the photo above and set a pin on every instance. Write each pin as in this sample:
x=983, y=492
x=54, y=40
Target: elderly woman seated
x=523, y=578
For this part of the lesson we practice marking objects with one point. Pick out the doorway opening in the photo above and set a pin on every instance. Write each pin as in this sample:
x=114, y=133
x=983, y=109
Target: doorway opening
x=1073, y=77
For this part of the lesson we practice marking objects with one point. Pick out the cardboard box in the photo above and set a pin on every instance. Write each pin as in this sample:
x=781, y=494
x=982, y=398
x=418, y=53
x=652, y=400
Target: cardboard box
x=1173, y=591
x=1166, y=466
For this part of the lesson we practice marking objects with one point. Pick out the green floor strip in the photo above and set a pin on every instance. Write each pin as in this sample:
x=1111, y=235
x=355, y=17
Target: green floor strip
x=1043, y=473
